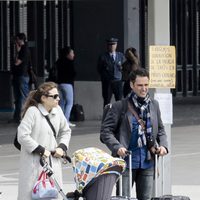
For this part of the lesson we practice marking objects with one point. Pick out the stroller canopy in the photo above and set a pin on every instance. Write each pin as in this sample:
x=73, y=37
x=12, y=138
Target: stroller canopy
x=91, y=162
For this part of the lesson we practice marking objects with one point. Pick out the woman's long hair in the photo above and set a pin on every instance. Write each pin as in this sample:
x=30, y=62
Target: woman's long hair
x=34, y=97
x=133, y=57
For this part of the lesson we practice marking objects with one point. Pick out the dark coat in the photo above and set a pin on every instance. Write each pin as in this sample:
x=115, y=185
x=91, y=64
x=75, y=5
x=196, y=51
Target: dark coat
x=65, y=71
x=25, y=56
x=108, y=69
x=116, y=136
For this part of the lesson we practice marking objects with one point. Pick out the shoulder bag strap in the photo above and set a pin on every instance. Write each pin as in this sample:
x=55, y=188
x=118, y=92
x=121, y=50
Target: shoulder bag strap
x=50, y=161
x=133, y=111
x=50, y=124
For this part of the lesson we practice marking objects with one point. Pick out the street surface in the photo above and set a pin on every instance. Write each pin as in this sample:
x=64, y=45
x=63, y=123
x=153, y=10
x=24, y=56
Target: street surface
x=185, y=158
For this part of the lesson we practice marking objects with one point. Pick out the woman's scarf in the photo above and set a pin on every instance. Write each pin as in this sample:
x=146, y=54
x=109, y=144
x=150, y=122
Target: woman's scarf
x=142, y=104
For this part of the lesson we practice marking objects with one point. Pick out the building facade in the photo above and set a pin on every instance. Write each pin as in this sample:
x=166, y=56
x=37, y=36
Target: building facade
x=85, y=25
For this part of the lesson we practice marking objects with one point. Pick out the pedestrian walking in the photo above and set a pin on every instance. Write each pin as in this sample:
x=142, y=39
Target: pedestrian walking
x=37, y=137
x=135, y=124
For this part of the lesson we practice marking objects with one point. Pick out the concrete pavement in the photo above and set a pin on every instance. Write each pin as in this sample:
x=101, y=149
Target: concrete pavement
x=185, y=154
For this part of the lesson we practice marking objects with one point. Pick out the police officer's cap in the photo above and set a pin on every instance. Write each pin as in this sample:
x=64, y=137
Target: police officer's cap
x=112, y=41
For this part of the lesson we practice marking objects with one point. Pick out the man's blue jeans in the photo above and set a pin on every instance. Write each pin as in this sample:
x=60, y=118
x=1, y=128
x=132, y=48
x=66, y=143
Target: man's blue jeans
x=20, y=90
x=143, y=178
x=66, y=98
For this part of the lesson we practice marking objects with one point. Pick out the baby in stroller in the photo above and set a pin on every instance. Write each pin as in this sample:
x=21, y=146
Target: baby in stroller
x=95, y=174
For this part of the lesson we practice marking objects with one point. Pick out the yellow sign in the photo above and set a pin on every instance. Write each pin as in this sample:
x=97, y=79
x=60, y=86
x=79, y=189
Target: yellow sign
x=162, y=66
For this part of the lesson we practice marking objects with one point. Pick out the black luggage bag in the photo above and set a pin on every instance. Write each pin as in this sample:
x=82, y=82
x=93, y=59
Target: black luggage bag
x=171, y=197
x=130, y=182
x=77, y=113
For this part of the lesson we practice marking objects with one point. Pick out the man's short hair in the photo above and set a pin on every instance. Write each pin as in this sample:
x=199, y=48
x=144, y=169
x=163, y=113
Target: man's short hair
x=138, y=72
x=21, y=36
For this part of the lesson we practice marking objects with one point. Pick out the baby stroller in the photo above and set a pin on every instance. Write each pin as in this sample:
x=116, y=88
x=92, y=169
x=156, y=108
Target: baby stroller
x=95, y=174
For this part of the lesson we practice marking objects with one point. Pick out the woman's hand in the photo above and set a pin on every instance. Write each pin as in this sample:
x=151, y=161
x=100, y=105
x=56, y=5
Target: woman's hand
x=46, y=153
x=58, y=152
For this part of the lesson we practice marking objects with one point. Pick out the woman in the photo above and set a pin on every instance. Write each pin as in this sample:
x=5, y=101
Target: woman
x=37, y=138
x=65, y=79
x=132, y=63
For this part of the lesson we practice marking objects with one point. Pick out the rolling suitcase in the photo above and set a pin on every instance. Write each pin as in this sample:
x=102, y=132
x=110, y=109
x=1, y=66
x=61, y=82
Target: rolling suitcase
x=130, y=182
x=164, y=197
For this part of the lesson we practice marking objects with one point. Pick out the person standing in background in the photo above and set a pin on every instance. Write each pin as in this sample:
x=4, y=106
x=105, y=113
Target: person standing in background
x=65, y=78
x=132, y=63
x=109, y=68
x=20, y=76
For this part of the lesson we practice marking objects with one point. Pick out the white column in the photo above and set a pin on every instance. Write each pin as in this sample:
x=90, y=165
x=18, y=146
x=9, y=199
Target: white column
x=131, y=24
x=159, y=34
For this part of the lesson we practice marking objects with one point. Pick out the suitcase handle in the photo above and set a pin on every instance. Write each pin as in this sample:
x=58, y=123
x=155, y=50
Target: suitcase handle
x=129, y=154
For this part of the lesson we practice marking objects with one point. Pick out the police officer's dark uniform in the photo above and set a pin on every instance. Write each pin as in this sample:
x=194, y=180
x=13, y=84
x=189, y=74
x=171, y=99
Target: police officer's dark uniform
x=109, y=67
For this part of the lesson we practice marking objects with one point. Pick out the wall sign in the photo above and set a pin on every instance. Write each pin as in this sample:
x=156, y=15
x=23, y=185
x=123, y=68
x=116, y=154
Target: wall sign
x=162, y=67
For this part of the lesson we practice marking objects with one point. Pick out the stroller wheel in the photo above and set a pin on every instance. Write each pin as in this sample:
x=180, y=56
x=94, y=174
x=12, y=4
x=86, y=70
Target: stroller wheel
x=74, y=195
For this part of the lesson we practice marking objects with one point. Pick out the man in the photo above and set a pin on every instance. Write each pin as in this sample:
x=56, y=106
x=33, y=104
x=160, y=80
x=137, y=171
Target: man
x=109, y=67
x=20, y=74
x=122, y=130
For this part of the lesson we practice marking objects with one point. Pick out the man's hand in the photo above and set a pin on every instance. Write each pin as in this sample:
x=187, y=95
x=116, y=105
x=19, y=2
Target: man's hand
x=17, y=46
x=122, y=152
x=161, y=151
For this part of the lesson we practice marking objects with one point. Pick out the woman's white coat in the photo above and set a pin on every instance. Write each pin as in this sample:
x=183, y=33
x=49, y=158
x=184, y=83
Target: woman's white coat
x=34, y=130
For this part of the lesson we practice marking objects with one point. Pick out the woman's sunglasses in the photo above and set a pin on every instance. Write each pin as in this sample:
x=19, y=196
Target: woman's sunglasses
x=55, y=96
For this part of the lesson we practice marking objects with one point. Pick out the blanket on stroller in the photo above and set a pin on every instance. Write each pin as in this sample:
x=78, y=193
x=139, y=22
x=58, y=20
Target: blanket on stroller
x=91, y=162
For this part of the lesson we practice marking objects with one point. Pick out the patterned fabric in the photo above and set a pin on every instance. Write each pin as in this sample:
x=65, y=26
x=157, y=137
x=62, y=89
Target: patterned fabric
x=144, y=114
x=91, y=162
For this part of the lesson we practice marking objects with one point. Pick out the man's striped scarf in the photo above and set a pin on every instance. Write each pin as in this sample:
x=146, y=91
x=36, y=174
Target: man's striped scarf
x=144, y=114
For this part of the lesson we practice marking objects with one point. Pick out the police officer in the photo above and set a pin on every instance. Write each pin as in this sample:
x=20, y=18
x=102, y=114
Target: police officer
x=109, y=68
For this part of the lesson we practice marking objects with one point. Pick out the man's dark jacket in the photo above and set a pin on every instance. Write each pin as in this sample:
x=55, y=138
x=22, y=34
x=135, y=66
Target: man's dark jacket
x=116, y=127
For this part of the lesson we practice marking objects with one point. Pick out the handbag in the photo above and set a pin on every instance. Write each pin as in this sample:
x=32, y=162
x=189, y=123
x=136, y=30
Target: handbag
x=16, y=143
x=77, y=113
x=32, y=79
x=44, y=188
